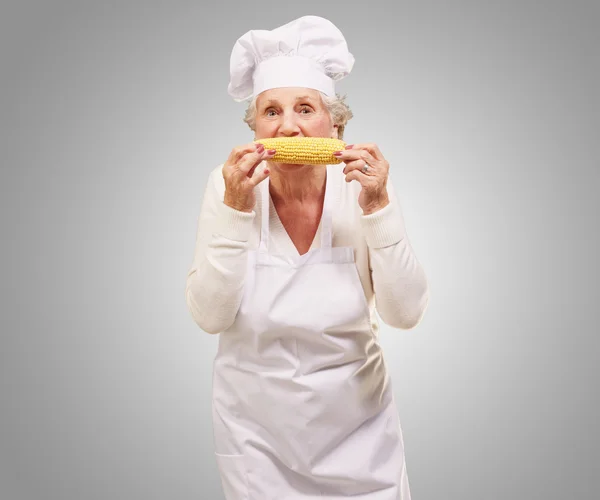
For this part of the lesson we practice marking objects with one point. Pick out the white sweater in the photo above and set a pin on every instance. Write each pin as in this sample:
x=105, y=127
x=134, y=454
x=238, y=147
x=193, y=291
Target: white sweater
x=393, y=280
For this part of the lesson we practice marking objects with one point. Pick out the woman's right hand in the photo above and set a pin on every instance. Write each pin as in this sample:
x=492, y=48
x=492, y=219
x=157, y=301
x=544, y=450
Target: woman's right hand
x=242, y=175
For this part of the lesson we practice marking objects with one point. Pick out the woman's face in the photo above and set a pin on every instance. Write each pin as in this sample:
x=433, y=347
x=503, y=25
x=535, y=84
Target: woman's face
x=292, y=112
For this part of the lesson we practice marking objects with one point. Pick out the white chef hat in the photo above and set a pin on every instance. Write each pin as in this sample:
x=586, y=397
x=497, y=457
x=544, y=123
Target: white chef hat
x=308, y=52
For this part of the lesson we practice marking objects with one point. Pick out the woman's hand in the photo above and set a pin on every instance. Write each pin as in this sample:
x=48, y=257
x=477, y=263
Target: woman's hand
x=374, y=195
x=241, y=175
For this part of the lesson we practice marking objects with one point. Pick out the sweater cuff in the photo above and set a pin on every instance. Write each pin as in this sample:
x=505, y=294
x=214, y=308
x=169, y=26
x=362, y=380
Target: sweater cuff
x=234, y=224
x=385, y=227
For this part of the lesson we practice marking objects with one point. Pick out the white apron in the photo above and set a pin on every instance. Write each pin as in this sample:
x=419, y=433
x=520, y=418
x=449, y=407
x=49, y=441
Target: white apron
x=303, y=410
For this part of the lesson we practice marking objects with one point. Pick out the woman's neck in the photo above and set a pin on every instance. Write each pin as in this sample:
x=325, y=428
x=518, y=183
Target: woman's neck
x=303, y=184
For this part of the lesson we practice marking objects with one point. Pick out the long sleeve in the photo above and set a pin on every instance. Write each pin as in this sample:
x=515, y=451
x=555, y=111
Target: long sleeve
x=215, y=281
x=399, y=281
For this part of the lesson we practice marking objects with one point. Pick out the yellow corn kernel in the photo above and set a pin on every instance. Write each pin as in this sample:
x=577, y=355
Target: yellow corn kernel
x=301, y=150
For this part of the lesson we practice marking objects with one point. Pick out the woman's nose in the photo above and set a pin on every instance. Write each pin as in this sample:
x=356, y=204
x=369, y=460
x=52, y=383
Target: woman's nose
x=289, y=125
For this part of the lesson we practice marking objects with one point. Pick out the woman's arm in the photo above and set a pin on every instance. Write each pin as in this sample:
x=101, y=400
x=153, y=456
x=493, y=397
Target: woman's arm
x=215, y=281
x=399, y=281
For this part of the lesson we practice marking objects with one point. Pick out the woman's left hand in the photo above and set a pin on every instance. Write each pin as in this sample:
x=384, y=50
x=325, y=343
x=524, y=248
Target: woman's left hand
x=366, y=164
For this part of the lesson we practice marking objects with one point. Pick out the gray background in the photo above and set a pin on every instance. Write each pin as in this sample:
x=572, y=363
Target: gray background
x=112, y=116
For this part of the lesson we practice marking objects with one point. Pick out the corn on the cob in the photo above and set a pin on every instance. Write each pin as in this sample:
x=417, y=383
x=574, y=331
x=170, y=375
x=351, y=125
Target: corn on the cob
x=301, y=150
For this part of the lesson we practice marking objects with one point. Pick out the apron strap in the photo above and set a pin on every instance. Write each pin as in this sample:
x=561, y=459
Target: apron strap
x=326, y=218
x=264, y=231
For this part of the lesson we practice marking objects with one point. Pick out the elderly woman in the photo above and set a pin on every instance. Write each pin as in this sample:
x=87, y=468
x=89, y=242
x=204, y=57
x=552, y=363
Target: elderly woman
x=290, y=266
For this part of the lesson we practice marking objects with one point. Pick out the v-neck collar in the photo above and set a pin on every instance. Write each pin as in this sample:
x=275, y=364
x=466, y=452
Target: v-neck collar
x=278, y=228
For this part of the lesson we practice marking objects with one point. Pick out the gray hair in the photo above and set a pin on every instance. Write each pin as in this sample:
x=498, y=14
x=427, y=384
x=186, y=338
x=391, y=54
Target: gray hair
x=338, y=110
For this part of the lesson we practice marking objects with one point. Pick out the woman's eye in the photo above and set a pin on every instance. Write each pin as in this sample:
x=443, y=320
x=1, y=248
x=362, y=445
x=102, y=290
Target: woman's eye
x=269, y=112
x=306, y=108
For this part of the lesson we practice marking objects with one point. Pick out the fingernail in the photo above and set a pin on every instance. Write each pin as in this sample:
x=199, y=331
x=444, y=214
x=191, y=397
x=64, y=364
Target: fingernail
x=349, y=146
x=337, y=153
x=271, y=151
x=260, y=147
